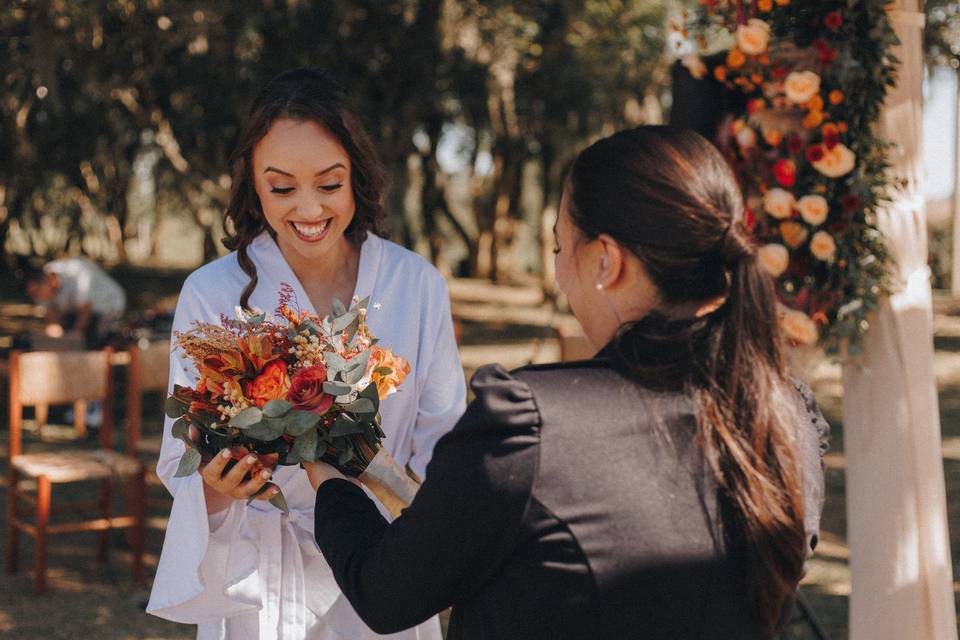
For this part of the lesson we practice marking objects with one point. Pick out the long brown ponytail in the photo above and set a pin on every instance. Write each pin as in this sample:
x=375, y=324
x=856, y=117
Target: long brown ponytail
x=301, y=94
x=668, y=196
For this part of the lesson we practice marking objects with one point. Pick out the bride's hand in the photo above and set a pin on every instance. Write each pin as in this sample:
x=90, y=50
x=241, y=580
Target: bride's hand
x=320, y=472
x=232, y=484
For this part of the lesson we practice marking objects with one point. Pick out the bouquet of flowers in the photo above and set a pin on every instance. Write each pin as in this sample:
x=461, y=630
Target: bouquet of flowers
x=289, y=389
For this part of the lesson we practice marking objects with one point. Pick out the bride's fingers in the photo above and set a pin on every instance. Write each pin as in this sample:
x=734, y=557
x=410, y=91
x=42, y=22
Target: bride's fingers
x=252, y=486
x=235, y=477
x=213, y=470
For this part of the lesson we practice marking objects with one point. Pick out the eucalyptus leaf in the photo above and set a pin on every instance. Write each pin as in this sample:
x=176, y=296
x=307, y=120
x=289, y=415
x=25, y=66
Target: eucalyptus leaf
x=334, y=360
x=277, y=408
x=297, y=423
x=266, y=430
x=189, y=463
x=246, y=418
x=279, y=501
x=181, y=431
x=174, y=408
x=345, y=426
x=256, y=319
x=361, y=406
x=363, y=304
x=311, y=326
x=306, y=446
x=337, y=388
x=360, y=361
x=342, y=322
x=338, y=308
x=292, y=458
x=352, y=328
x=345, y=456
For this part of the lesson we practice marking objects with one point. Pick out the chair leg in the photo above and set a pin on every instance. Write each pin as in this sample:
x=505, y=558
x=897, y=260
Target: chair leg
x=43, y=518
x=104, y=541
x=13, y=533
x=138, y=509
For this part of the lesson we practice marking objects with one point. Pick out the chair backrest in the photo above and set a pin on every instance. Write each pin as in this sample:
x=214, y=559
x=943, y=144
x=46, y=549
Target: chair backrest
x=59, y=377
x=149, y=370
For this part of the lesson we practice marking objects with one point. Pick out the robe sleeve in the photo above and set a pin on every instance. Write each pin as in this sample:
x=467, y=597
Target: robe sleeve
x=188, y=587
x=440, y=383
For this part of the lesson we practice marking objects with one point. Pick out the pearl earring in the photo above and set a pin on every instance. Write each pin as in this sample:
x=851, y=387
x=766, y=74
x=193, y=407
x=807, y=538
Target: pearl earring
x=599, y=286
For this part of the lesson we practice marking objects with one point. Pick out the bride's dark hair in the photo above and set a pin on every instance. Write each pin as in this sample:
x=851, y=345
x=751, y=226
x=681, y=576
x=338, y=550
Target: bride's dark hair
x=304, y=95
x=667, y=195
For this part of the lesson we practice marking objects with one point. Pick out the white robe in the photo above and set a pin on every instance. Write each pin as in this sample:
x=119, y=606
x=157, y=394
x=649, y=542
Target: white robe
x=252, y=572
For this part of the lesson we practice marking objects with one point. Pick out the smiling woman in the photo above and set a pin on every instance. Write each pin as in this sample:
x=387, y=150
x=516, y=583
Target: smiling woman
x=301, y=146
x=305, y=209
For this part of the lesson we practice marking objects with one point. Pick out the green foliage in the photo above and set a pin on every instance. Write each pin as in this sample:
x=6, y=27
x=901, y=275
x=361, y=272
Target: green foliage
x=90, y=89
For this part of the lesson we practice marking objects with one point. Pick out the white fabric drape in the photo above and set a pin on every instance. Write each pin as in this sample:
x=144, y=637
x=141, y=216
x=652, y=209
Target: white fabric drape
x=896, y=503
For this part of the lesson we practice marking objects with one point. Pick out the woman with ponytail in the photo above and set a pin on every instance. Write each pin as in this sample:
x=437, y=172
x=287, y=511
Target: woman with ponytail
x=304, y=211
x=670, y=487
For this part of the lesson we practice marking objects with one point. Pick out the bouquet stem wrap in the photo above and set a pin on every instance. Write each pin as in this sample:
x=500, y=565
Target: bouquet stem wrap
x=390, y=482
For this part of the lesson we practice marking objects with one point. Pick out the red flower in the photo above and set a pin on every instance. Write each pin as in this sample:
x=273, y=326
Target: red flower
x=306, y=390
x=795, y=144
x=780, y=73
x=831, y=136
x=749, y=218
x=786, y=172
x=833, y=20
x=757, y=104
x=814, y=153
x=850, y=202
x=827, y=53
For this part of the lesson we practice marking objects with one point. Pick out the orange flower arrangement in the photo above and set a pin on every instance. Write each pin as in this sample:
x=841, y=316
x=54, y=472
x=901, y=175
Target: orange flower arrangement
x=301, y=388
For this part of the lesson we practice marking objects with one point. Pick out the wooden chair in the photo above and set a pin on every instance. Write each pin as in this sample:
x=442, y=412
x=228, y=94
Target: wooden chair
x=60, y=378
x=148, y=371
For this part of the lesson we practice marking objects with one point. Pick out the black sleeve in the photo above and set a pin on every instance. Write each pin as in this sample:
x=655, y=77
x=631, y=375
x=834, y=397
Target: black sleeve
x=814, y=443
x=463, y=523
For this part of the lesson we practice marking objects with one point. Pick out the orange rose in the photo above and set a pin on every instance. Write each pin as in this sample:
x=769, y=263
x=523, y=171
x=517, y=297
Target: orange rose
x=720, y=73
x=836, y=96
x=272, y=384
x=735, y=59
x=387, y=371
x=765, y=5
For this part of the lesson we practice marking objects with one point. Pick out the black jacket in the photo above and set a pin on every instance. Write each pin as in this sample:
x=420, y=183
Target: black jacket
x=568, y=502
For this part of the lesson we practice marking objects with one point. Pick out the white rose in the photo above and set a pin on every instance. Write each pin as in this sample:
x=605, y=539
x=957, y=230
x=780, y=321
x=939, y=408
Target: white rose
x=801, y=86
x=779, y=203
x=836, y=162
x=747, y=138
x=823, y=246
x=774, y=258
x=813, y=209
x=753, y=37
x=798, y=326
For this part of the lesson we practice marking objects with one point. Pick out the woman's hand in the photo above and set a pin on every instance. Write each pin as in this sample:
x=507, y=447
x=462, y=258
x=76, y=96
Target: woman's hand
x=222, y=488
x=320, y=472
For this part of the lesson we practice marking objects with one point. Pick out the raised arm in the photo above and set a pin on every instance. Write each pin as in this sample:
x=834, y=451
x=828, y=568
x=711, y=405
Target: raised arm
x=463, y=523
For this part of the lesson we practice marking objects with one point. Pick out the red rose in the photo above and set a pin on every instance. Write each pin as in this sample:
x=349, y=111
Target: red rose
x=814, y=153
x=795, y=144
x=850, y=202
x=833, y=20
x=785, y=172
x=306, y=390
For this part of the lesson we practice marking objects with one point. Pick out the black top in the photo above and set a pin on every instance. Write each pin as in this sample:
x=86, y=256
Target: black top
x=568, y=502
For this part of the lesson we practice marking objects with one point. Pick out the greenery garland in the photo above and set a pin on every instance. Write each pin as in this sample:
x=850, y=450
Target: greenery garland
x=813, y=74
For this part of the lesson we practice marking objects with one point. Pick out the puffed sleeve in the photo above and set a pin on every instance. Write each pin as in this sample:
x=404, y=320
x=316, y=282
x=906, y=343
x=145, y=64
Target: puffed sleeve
x=442, y=389
x=814, y=439
x=462, y=524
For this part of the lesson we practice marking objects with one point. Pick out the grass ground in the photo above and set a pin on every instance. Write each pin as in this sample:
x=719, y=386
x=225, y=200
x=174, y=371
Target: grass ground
x=509, y=325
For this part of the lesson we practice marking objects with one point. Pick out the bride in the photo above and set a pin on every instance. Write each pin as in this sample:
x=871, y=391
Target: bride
x=304, y=206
